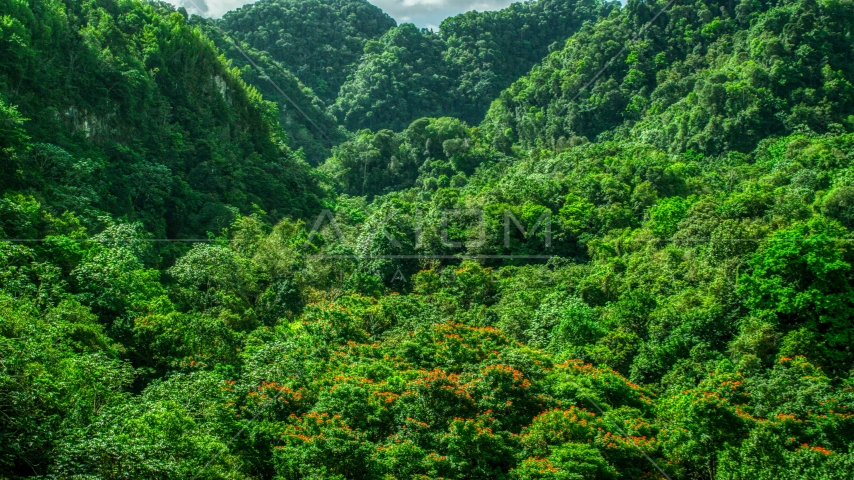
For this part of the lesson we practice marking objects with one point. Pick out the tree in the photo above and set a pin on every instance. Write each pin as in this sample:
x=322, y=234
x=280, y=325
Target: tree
x=801, y=279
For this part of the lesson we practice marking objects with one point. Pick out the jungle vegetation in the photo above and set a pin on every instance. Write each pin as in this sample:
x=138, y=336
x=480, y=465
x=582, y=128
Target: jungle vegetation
x=617, y=245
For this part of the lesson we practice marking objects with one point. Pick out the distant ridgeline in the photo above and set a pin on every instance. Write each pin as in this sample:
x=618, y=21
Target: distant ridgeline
x=458, y=71
x=568, y=240
x=376, y=75
x=715, y=77
x=319, y=41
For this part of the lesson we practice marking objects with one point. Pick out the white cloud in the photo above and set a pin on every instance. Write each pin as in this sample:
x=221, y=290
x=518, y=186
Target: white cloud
x=423, y=13
x=209, y=8
x=430, y=13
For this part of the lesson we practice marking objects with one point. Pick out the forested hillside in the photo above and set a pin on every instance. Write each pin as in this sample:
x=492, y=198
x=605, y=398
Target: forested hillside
x=459, y=70
x=713, y=78
x=122, y=110
x=373, y=74
x=319, y=41
x=302, y=114
x=639, y=265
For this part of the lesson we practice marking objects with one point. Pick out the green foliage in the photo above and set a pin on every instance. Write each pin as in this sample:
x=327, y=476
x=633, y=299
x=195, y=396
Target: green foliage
x=561, y=323
x=176, y=428
x=802, y=279
x=650, y=279
x=301, y=114
x=490, y=50
x=458, y=71
x=319, y=41
x=136, y=114
x=665, y=216
x=431, y=153
x=112, y=277
x=58, y=370
x=710, y=76
x=404, y=80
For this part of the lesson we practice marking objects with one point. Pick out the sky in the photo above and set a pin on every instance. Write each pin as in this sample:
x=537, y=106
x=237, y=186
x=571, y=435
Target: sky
x=423, y=13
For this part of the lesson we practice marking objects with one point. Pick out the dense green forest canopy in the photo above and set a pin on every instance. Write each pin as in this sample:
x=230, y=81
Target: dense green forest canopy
x=303, y=115
x=648, y=278
x=459, y=70
x=714, y=77
x=373, y=74
x=123, y=110
x=319, y=41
